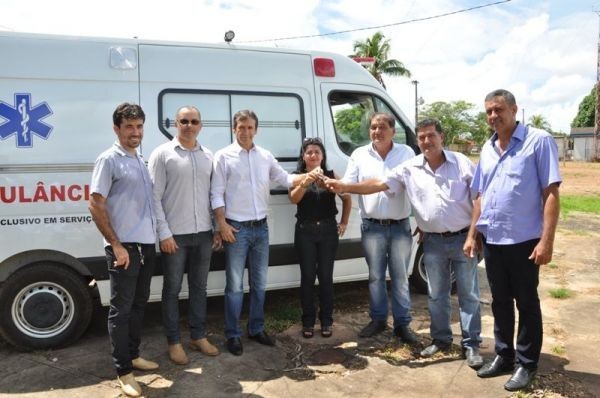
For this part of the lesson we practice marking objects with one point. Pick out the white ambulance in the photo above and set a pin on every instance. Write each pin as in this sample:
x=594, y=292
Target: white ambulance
x=57, y=95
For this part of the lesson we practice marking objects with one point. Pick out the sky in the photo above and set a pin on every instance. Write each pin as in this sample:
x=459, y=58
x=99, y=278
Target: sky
x=544, y=51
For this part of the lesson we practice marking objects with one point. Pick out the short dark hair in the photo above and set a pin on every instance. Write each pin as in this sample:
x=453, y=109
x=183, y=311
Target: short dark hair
x=243, y=115
x=129, y=112
x=390, y=119
x=507, y=95
x=430, y=122
x=301, y=166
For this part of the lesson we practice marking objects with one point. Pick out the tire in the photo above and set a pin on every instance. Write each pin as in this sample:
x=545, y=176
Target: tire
x=43, y=306
x=418, y=278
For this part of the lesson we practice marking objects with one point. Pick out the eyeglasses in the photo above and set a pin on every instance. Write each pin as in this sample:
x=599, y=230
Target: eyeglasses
x=185, y=122
x=312, y=140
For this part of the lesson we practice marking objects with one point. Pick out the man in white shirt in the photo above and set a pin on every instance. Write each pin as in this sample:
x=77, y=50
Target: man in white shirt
x=437, y=183
x=386, y=234
x=240, y=197
x=181, y=170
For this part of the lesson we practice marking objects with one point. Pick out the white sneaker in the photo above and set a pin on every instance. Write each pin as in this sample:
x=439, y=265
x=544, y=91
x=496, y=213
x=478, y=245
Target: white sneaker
x=129, y=386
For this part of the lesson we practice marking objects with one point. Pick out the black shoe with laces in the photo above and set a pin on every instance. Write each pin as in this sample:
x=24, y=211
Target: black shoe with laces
x=373, y=328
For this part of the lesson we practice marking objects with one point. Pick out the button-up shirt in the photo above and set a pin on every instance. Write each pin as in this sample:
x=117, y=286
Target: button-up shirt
x=181, y=180
x=364, y=164
x=441, y=199
x=241, y=181
x=123, y=179
x=511, y=185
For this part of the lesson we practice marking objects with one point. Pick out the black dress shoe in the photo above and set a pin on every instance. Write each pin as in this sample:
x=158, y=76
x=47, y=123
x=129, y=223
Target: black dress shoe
x=234, y=345
x=373, y=328
x=263, y=338
x=434, y=348
x=406, y=334
x=520, y=379
x=497, y=367
x=474, y=359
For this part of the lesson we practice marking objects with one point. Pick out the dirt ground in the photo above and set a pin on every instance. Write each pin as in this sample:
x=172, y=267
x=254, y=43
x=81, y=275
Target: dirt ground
x=580, y=178
x=342, y=365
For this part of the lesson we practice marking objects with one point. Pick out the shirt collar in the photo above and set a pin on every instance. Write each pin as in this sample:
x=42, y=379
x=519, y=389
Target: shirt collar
x=518, y=133
x=177, y=143
x=447, y=158
x=238, y=148
x=119, y=149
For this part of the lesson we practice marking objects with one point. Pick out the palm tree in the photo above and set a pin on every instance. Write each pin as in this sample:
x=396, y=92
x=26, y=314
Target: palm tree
x=379, y=48
x=539, y=122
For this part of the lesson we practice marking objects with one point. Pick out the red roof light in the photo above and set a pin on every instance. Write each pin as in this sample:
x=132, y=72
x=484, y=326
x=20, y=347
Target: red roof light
x=324, y=67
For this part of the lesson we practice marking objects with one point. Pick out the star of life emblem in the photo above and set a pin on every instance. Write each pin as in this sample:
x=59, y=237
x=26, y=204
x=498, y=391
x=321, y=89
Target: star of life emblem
x=24, y=121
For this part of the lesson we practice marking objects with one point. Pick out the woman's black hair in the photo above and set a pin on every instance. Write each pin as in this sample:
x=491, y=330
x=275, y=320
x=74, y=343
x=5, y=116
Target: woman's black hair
x=301, y=167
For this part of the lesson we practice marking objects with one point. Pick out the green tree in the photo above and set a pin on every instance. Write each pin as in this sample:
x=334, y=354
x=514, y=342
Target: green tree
x=378, y=47
x=351, y=123
x=587, y=111
x=458, y=121
x=539, y=122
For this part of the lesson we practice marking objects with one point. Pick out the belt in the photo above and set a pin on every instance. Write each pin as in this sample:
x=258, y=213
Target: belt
x=324, y=221
x=447, y=234
x=385, y=221
x=251, y=223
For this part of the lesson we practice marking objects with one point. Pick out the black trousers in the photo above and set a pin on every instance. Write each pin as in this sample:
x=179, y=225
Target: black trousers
x=316, y=245
x=129, y=292
x=514, y=278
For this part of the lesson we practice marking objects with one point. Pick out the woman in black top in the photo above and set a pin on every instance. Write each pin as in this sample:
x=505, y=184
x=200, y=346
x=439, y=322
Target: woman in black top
x=317, y=234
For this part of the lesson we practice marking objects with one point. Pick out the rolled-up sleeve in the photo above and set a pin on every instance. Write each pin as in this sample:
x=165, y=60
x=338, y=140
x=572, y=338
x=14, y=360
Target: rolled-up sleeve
x=394, y=179
x=279, y=175
x=352, y=172
x=218, y=182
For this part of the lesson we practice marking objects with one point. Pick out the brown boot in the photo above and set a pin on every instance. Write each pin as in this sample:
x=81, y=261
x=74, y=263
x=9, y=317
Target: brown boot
x=140, y=363
x=204, y=346
x=177, y=354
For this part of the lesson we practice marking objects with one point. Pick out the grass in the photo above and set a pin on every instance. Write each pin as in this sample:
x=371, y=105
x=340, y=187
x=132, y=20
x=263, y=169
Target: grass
x=283, y=316
x=585, y=204
x=552, y=266
x=560, y=293
x=559, y=350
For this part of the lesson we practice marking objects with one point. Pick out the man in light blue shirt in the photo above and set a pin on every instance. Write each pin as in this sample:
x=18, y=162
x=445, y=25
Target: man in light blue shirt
x=240, y=193
x=121, y=206
x=516, y=213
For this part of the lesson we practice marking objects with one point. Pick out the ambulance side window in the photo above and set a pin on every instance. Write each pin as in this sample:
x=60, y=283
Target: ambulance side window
x=350, y=112
x=280, y=118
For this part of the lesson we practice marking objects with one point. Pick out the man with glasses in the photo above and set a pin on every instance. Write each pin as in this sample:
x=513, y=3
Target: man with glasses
x=121, y=206
x=181, y=170
x=240, y=197
x=386, y=234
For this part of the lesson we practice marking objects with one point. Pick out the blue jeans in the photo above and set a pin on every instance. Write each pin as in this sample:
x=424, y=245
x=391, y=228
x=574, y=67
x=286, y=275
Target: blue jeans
x=316, y=246
x=194, y=252
x=441, y=255
x=129, y=292
x=388, y=247
x=251, y=243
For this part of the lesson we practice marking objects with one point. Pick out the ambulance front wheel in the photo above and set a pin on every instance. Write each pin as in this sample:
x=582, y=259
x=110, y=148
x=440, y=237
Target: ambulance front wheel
x=44, y=305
